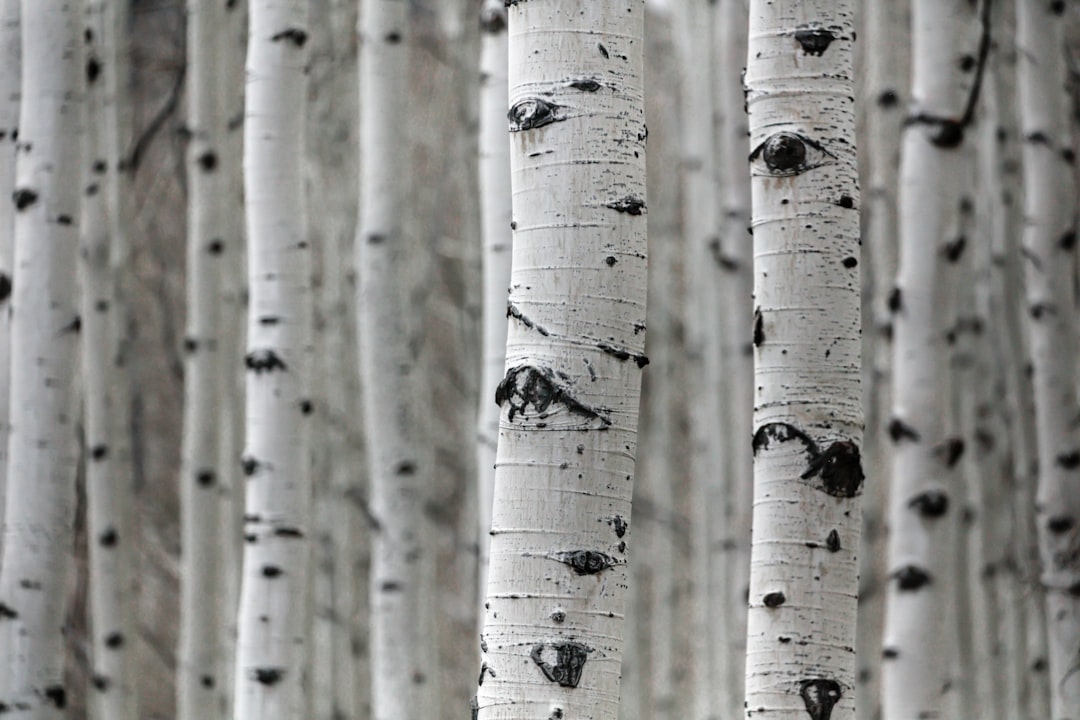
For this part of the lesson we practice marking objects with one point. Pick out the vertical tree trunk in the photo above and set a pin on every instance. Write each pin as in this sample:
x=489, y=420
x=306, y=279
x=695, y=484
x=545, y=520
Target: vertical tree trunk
x=10, y=64
x=199, y=662
x=808, y=414
x=552, y=640
x=45, y=325
x=271, y=649
x=1049, y=243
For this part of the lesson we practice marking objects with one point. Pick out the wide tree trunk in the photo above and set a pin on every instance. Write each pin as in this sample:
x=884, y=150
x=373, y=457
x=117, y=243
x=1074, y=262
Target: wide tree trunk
x=271, y=650
x=10, y=63
x=552, y=642
x=45, y=328
x=808, y=474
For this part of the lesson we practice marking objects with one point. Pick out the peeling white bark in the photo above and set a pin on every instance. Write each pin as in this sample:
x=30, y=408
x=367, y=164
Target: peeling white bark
x=808, y=415
x=552, y=644
x=271, y=650
x=44, y=335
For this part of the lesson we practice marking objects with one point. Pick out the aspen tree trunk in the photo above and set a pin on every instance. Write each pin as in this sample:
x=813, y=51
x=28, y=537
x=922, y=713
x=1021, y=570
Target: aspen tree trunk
x=552, y=642
x=925, y=456
x=1049, y=243
x=42, y=459
x=271, y=649
x=10, y=64
x=108, y=482
x=403, y=641
x=496, y=216
x=807, y=471
x=199, y=662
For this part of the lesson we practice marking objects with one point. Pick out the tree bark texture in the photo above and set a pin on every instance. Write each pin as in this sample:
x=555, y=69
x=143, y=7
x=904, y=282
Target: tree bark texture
x=808, y=474
x=552, y=642
x=10, y=68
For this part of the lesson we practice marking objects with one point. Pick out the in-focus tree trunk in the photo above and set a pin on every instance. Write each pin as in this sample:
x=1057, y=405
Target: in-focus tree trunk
x=552, y=642
x=45, y=330
x=1049, y=250
x=10, y=64
x=808, y=475
x=271, y=649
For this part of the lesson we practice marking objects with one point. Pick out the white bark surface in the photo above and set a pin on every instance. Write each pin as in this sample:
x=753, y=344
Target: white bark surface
x=552, y=642
x=271, y=650
x=1049, y=243
x=200, y=663
x=42, y=459
x=808, y=414
x=10, y=64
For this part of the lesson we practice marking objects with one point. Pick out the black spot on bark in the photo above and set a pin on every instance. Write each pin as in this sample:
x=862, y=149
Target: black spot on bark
x=526, y=386
x=375, y=239
x=887, y=98
x=846, y=201
x=558, y=616
x=56, y=695
x=814, y=41
x=63, y=220
x=108, y=537
x=610, y=260
x=261, y=361
x=782, y=432
x=820, y=695
x=208, y=161
x=930, y=504
x=759, y=327
x=899, y=430
x=392, y=38
x=294, y=35
x=569, y=662
x=93, y=70
x=556, y=714
x=850, y=262
x=603, y=50
x=832, y=542
x=1068, y=156
x=290, y=533
x=950, y=451
x=24, y=198
x=493, y=20
x=405, y=468
x=6, y=613
x=391, y=586
x=910, y=577
x=249, y=465
x=205, y=478
x=101, y=683
x=1060, y=524
x=114, y=640
x=206, y=681
x=512, y=311
x=99, y=452
x=1057, y=7
x=306, y=407
x=586, y=562
x=954, y=249
x=5, y=287
x=620, y=526
x=967, y=63
x=533, y=113
x=1039, y=309
x=190, y=345
x=272, y=571
x=268, y=676
x=1068, y=240
x=1069, y=460
x=1037, y=138
x=890, y=653
x=629, y=205
x=895, y=300
x=74, y=326
x=640, y=360
x=784, y=152
x=586, y=85
x=840, y=467
x=774, y=599
x=215, y=247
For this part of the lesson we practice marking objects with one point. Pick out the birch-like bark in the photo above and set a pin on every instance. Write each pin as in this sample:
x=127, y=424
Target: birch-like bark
x=403, y=640
x=925, y=455
x=552, y=643
x=10, y=64
x=1049, y=243
x=108, y=482
x=45, y=324
x=496, y=216
x=199, y=661
x=808, y=474
x=271, y=649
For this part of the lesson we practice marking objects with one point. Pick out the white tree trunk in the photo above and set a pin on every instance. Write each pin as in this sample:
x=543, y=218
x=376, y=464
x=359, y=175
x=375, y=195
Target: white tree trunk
x=271, y=650
x=808, y=414
x=45, y=325
x=552, y=642
x=108, y=480
x=199, y=661
x=1049, y=254
x=10, y=63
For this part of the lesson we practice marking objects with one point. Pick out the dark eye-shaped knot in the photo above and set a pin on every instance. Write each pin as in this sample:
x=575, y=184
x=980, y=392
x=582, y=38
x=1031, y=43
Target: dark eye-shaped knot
x=787, y=153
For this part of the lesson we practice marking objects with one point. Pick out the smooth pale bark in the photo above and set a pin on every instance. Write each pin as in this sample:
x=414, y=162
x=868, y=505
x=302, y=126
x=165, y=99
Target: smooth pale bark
x=108, y=480
x=552, y=642
x=403, y=640
x=1049, y=242
x=496, y=216
x=42, y=455
x=271, y=649
x=199, y=660
x=10, y=63
x=808, y=475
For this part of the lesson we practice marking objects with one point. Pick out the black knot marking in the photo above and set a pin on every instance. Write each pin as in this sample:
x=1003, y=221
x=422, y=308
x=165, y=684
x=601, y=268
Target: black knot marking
x=832, y=542
x=620, y=354
x=895, y=300
x=5, y=286
x=205, y=478
x=586, y=562
x=1060, y=524
x=268, y=676
x=899, y=430
x=208, y=161
x=774, y=599
x=840, y=467
x=954, y=249
x=24, y=198
x=759, y=327
x=1069, y=460
x=261, y=361
x=930, y=504
x=114, y=640
x=586, y=85
x=533, y=113
x=294, y=35
x=787, y=154
x=620, y=526
x=629, y=205
x=526, y=386
x=56, y=695
x=950, y=451
x=493, y=20
x=910, y=578
x=108, y=537
x=820, y=696
x=814, y=41
x=568, y=663
x=249, y=465
x=6, y=613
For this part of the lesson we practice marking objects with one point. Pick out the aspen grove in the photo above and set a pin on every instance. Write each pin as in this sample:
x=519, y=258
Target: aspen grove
x=539, y=359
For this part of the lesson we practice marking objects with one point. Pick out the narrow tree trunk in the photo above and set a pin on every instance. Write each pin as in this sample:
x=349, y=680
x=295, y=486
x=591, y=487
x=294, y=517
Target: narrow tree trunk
x=271, y=650
x=553, y=630
x=10, y=64
x=1049, y=243
x=808, y=414
x=45, y=324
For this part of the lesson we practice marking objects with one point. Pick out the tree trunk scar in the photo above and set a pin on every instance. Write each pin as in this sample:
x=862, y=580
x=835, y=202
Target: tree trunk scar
x=838, y=467
x=513, y=312
x=814, y=41
x=820, y=696
x=261, y=361
x=899, y=430
x=586, y=562
x=930, y=504
x=950, y=451
x=911, y=577
x=570, y=660
x=624, y=355
x=526, y=385
x=586, y=85
x=629, y=205
x=532, y=113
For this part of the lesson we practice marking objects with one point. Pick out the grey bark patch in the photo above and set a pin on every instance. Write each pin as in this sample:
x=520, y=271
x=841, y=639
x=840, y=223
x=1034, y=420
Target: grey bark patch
x=586, y=562
x=840, y=469
x=814, y=41
x=268, y=675
x=1069, y=460
x=911, y=577
x=6, y=613
x=24, y=198
x=513, y=312
x=774, y=599
x=630, y=205
x=832, y=542
x=621, y=354
x=569, y=661
x=899, y=430
x=56, y=695
x=526, y=386
x=260, y=361
x=820, y=696
x=930, y=504
x=296, y=36
x=586, y=85
x=532, y=113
